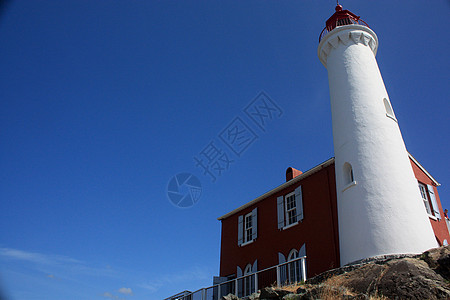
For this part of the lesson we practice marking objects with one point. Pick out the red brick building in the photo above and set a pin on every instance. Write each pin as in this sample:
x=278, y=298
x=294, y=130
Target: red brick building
x=300, y=218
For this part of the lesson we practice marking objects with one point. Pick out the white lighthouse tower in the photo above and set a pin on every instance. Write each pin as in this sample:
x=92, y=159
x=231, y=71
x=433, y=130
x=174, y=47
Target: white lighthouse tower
x=380, y=210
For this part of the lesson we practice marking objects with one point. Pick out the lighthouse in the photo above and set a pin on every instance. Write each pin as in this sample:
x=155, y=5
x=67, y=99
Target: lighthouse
x=380, y=211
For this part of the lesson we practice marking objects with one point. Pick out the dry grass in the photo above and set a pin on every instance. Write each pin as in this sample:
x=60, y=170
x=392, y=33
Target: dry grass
x=331, y=289
x=292, y=287
x=334, y=288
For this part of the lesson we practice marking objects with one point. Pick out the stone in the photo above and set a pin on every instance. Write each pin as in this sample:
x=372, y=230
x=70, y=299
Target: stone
x=362, y=279
x=254, y=296
x=439, y=260
x=405, y=278
x=412, y=279
x=292, y=297
x=230, y=297
x=271, y=293
x=301, y=290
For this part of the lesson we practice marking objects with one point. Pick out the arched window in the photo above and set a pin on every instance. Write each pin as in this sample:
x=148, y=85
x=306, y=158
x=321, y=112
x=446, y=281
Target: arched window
x=293, y=254
x=348, y=173
x=293, y=267
x=248, y=280
x=388, y=107
x=248, y=270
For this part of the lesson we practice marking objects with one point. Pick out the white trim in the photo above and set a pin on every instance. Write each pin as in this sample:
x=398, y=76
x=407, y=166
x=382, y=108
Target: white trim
x=343, y=33
x=246, y=243
x=248, y=269
x=353, y=183
x=286, y=211
x=249, y=215
x=432, y=217
x=426, y=201
x=423, y=169
x=280, y=187
x=291, y=253
x=391, y=117
x=290, y=225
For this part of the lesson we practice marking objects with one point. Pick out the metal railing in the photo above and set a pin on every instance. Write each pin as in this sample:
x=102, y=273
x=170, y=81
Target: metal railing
x=291, y=272
x=342, y=22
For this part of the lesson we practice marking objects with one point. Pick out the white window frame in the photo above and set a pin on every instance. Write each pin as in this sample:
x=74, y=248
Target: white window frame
x=248, y=229
x=283, y=212
x=293, y=270
x=292, y=209
x=434, y=203
x=389, y=110
x=349, y=176
x=248, y=280
x=425, y=199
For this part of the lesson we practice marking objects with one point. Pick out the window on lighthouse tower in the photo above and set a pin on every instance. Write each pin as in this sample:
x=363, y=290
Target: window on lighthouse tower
x=388, y=107
x=348, y=174
x=348, y=177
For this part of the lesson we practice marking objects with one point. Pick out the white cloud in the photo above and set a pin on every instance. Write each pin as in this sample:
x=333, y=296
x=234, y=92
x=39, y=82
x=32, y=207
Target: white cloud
x=171, y=279
x=51, y=276
x=37, y=257
x=51, y=263
x=125, y=291
x=109, y=295
x=151, y=286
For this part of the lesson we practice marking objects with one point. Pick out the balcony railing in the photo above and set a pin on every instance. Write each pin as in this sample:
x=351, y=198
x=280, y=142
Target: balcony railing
x=342, y=22
x=287, y=273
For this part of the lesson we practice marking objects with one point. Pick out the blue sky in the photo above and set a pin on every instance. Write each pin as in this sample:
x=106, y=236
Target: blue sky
x=103, y=102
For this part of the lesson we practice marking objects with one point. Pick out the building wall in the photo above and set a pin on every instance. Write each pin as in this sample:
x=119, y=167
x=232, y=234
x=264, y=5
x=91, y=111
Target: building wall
x=318, y=230
x=439, y=226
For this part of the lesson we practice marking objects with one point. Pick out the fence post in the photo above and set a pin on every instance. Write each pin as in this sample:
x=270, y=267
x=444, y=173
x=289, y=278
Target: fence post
x=303, y=269
x=236, y=290
x=278, y=276
x=203, y=294
x=218, y=291
x=256, y=282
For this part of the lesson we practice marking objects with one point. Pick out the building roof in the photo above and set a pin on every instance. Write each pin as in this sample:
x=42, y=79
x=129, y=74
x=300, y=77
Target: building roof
x=423, y=169
x=302, y=176
x=280, y=187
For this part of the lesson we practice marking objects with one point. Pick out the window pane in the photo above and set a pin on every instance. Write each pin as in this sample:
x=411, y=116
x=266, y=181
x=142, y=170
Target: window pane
x=291, y=211
x=424, y=195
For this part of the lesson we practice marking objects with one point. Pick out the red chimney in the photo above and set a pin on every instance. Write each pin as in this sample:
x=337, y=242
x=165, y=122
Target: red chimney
x=292, y=173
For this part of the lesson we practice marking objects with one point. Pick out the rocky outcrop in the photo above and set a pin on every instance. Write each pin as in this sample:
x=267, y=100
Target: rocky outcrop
x=423, y=276
x=406, y=278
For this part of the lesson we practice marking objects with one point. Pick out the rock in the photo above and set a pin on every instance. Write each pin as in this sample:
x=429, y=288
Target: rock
x=406, y=278
x=311, y=294
x=254, y=296
x=271, y=293
x=439, y=260
x=301, y=290
x=362, y=279
x=292, y=297
x=230, y=297
x=412, y=279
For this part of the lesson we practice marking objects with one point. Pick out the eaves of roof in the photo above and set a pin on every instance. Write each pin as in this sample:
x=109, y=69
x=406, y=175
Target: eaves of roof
x=280, y=187
x=423, y=169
